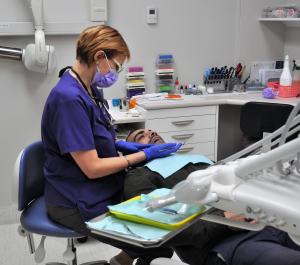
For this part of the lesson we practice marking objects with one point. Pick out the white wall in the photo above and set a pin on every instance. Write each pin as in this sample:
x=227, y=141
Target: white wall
x=292, y=43
x=265, y=40
x=292, y=40
x=199, y=34
x=197, y=38
x=259, y=41
x=23, y=94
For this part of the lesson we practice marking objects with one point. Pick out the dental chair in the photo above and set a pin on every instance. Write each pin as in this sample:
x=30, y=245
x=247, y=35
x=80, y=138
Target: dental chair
x=34, y=219
x=261, y=182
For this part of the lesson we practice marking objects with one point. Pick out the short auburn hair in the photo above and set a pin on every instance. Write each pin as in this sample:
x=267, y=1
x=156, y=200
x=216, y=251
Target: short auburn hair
x=96, y=38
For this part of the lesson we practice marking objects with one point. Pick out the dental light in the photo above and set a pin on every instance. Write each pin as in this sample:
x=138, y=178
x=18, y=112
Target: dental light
x=37, y=57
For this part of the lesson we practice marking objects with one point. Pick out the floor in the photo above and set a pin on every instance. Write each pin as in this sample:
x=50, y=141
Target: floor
x=14, y=248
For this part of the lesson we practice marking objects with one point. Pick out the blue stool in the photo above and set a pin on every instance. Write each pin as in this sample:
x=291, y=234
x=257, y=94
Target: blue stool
x=31, y=204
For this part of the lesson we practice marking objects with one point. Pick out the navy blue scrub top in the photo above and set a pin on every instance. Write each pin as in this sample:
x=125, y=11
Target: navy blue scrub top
x=72, y=122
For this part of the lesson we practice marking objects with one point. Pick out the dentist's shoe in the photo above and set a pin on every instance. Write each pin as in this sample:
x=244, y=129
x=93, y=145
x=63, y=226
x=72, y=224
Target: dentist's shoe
x=113, y=261
x=121, y=259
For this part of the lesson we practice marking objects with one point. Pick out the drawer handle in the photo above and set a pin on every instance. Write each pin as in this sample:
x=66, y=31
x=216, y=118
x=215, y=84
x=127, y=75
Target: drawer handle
x=180, y=123
x=182, y=136
x=185, y=150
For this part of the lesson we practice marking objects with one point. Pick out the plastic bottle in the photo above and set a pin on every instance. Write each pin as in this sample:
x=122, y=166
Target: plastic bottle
x=190, y=89
x=177, y=90
x=296, y=71
x=185, y=89
x=296, y=76
x=194, y=89
x=286, y=77
x=181, y=90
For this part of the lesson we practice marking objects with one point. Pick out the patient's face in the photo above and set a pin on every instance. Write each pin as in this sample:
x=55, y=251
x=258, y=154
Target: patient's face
x=145, y=136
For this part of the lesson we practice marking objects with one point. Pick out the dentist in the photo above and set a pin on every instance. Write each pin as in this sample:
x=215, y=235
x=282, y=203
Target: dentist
x=83, y=171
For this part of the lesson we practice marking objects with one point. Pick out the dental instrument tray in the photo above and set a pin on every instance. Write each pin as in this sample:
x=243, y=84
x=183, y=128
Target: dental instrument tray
x=170, y=217
x=124, y=222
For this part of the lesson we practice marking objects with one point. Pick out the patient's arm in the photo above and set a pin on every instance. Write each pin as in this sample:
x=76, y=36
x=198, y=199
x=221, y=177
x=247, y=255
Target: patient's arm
x=142, y=180
x=238, y=217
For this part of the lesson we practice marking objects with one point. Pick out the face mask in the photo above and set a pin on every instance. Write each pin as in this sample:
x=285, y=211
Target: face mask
x=105, y=80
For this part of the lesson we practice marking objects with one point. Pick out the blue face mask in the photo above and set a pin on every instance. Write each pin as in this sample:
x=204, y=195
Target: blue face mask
x=105, y=80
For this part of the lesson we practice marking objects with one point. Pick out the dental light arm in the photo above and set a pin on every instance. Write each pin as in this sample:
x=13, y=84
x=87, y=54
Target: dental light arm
x=264, y=186
x=37, y=12
x=37, y=57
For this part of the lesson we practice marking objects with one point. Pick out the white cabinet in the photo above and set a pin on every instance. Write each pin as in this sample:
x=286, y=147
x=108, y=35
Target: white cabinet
x=191, y=136
x=194, y=126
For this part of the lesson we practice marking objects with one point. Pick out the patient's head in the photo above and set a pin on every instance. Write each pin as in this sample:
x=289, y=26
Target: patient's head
x=144, y=136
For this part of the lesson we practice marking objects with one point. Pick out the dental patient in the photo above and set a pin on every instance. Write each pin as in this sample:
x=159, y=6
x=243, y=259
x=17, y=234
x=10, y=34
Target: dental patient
x=206, y=243
x=146, y=178
x=194, y=244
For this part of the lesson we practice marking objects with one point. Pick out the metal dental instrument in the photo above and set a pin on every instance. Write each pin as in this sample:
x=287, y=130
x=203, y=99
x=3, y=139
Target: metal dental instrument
x=126, y=227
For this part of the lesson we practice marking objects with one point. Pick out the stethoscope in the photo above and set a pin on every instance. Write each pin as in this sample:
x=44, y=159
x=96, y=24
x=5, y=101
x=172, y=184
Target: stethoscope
x=100, y=102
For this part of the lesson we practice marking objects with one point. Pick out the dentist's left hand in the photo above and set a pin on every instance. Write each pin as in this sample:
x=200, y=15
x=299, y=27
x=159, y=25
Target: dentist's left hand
x=161, y=150
x=130, y=147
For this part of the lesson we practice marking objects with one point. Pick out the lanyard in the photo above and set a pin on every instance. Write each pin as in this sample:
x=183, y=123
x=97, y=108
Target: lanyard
x=99, y=102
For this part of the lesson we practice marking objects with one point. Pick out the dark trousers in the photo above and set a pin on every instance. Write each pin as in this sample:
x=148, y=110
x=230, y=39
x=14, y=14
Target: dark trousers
x=270, y=246
x=72, y=219
x=192, y=245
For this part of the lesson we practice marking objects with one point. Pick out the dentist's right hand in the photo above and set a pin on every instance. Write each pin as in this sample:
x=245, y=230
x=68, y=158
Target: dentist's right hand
x=161, y=150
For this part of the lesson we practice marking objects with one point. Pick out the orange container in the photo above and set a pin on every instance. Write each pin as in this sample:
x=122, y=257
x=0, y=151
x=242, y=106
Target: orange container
x=290, y=91
x=132, y=103
x=273, y=85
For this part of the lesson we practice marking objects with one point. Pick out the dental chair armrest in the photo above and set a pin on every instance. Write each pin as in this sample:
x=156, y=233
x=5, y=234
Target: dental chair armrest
x=236, y=224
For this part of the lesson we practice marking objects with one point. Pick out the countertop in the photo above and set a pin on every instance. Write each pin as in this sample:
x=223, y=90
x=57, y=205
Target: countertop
x=193, y=101
x=213, y=99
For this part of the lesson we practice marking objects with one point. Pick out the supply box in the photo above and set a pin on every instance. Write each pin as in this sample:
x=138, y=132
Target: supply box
x=165, y=73
x=135, y=81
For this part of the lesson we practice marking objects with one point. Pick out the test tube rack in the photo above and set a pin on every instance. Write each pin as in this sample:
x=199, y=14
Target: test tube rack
x=222, y=85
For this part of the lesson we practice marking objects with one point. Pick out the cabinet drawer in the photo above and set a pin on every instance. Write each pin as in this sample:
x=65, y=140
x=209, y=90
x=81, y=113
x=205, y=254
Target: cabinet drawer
x=207, y=149
x=182, y=123
x=192, y=136
x=178, y=112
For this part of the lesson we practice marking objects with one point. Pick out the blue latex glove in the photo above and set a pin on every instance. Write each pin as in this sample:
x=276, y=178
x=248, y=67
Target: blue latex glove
x=161, y=150
x=130, y=147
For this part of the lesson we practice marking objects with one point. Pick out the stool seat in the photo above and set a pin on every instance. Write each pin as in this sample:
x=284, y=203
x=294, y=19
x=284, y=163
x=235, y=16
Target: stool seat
x=35, y=219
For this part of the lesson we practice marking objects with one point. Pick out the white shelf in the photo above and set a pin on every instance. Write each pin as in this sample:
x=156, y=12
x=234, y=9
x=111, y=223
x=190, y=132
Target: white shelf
x=288, y=22
x=51, y=28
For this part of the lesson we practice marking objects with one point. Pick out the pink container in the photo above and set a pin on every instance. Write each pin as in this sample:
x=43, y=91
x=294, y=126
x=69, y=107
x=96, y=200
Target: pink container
x=290, y=91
